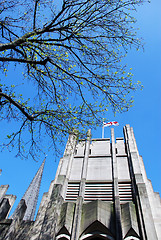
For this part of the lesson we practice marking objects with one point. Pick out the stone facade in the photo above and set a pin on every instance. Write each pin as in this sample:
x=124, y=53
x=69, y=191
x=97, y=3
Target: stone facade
x=100, y=191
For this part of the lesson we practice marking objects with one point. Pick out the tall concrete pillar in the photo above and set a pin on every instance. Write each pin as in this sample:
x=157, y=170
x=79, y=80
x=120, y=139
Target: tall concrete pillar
x=140, y=194
x=116, y=190
x=78, y=209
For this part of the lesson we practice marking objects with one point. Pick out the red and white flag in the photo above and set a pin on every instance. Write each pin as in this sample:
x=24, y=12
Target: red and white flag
x=108, y=124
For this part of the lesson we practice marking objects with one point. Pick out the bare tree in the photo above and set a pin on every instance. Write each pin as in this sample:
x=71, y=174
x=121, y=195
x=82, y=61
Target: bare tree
x=71, y=52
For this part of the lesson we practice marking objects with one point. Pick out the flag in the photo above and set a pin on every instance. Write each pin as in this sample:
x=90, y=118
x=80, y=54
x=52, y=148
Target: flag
x=108, y=124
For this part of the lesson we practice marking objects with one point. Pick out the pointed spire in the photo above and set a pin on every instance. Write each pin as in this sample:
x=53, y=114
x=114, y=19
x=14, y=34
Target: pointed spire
x=31, y=195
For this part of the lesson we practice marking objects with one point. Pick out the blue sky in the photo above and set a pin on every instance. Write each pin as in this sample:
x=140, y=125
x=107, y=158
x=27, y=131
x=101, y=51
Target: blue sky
x=144, y=116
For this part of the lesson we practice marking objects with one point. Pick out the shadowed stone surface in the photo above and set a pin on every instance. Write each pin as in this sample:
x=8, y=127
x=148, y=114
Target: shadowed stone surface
x=4, y=208
x=129, y=219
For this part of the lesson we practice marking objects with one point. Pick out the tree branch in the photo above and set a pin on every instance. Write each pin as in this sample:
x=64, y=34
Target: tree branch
x=16, y=104
x=35, y=11
x=20, y=60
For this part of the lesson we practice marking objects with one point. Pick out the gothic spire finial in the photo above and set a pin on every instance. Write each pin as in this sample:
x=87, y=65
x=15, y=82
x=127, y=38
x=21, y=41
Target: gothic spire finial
x=31, y=195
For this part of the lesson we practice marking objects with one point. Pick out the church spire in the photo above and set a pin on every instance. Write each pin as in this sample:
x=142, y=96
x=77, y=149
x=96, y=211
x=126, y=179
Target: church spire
x=31, y=195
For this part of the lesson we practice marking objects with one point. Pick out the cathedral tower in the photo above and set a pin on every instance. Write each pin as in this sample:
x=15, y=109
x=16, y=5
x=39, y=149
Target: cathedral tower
x=100, y=191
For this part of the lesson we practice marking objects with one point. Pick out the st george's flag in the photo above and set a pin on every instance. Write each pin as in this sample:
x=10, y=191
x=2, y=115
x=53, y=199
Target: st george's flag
x=108, y=124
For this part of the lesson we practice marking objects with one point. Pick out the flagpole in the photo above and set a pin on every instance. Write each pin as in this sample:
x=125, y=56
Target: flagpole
x=103, y=131
x=108, y=124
